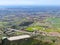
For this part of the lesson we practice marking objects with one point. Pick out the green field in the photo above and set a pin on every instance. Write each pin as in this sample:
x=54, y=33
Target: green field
x=55, y=22
x=32, y=28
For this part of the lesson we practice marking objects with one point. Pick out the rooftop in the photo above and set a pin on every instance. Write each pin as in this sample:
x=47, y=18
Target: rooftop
x=18, y=37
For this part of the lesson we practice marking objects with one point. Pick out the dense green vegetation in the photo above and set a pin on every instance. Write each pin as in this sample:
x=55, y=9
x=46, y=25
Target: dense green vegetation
x=51, y=24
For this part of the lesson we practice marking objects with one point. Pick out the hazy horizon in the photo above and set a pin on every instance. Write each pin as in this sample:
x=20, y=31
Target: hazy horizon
x=30, y=2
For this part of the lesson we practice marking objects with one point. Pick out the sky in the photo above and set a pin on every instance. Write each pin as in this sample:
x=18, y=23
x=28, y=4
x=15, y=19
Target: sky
x=30, y=2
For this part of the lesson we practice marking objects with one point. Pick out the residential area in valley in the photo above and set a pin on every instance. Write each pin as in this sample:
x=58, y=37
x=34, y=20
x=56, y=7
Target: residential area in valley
x=30, y=25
